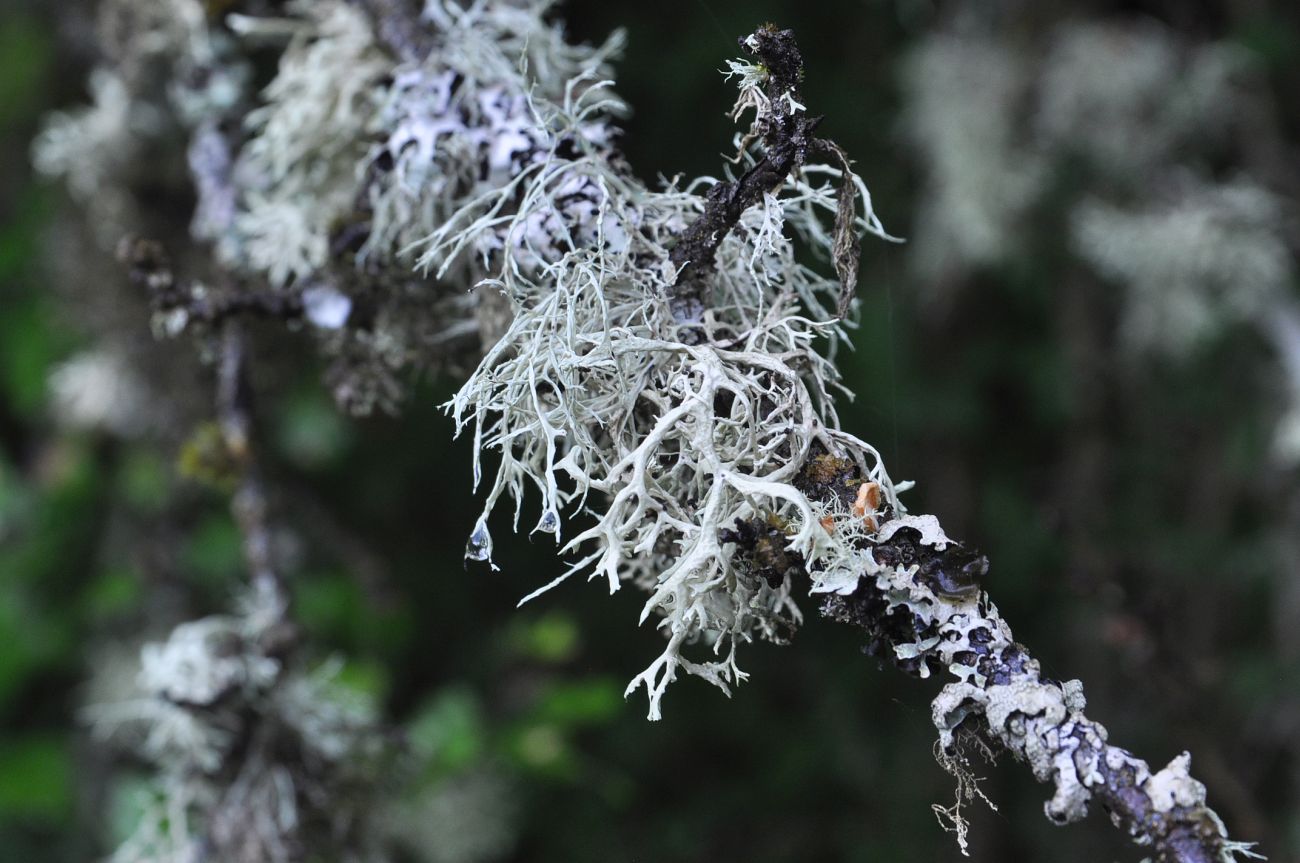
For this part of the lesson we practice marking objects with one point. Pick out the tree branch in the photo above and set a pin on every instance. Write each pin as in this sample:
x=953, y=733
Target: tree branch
x=918, y=594
x=786, y=131
x=234, y=405
x=149, y=266
x=919, y=601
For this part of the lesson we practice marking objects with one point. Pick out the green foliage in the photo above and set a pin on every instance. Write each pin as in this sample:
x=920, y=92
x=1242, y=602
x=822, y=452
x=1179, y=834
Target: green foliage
x=36, y=778
x=212, y=552
x=553, y=637
x=26, y=46
x=449, y=731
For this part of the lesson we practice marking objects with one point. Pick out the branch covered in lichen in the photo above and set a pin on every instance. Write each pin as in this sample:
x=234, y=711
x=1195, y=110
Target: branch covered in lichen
x=917, y=595
x=782, y=124
x=657, y=364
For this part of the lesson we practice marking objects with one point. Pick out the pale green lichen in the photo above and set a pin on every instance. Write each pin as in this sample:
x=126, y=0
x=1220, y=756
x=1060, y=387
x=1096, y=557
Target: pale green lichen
x=1211, y=257
x=600, y=398
x=964, y=95
x=302, y=159
x=258, y=762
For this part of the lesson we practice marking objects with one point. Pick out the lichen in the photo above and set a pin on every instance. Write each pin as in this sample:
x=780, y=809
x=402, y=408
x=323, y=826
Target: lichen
x=257, y=760
x=1001, y=696
x=602, y=395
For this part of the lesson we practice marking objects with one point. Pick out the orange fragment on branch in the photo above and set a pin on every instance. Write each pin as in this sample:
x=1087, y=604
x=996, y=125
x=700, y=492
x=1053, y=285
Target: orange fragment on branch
x=867, y=503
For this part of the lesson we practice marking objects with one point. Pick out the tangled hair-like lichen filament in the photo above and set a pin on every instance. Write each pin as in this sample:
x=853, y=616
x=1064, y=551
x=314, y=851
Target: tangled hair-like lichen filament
x=665, y=431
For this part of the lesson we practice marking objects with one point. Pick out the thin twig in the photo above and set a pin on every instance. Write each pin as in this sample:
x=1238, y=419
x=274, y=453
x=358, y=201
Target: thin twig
x=234, y=404
x=149, y=266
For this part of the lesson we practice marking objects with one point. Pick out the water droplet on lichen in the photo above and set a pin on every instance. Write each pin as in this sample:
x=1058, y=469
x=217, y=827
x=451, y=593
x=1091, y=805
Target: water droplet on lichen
x=479, y=546
x=550, y=522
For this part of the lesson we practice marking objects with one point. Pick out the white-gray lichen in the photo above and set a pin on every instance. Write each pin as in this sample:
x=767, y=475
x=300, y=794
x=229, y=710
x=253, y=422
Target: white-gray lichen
x=1000, y=695
x=964, y=94
x=1211, y=257
x=1127, y=95
x=605, y=401
x=256, y=760
x=300, y=168
x=1116, y=126
x=99, y=390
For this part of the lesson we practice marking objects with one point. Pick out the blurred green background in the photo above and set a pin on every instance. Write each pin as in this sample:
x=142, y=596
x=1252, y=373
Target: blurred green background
x=1164, y=600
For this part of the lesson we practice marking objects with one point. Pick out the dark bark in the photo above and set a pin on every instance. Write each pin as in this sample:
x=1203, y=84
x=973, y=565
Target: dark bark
x=149, y=266
x=787, y=136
